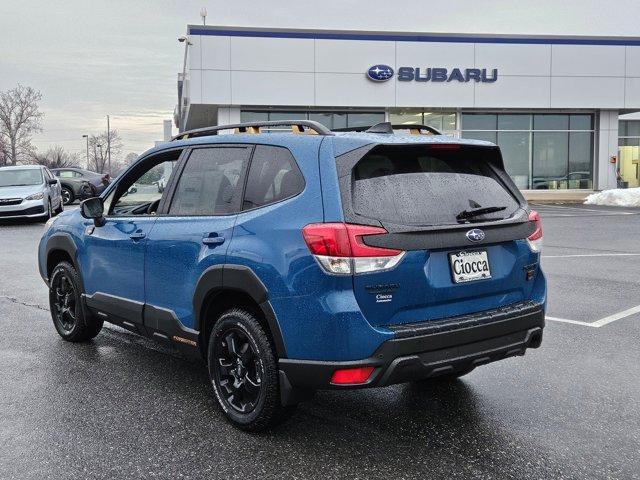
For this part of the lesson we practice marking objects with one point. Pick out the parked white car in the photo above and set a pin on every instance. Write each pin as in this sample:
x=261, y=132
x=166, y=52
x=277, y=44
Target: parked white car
x=29, y=191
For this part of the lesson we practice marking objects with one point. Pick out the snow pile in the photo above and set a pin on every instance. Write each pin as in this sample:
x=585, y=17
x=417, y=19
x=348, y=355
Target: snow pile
x=618, y=197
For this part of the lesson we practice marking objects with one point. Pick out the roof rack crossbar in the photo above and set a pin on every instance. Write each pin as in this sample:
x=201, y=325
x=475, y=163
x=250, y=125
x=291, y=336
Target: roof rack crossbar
x=387, y=127
x=253, y=126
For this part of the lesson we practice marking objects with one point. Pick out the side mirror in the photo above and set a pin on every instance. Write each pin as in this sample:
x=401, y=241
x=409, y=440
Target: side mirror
x=52, y=181
x=93, y=208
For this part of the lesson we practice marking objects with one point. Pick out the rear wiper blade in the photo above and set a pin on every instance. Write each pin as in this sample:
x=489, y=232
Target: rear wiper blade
x=474, y=212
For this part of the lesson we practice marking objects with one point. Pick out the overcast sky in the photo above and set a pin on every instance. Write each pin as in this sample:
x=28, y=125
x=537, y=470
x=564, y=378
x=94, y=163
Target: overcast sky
x=90, y=58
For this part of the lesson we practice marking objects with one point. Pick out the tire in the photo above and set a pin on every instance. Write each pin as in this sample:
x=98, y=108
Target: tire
x=60, y=208
x=67, y=196
x=69, y=318
x=243, y=369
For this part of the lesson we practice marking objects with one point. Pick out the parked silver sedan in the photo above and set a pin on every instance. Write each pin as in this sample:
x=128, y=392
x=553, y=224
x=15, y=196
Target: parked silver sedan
x=29, y=191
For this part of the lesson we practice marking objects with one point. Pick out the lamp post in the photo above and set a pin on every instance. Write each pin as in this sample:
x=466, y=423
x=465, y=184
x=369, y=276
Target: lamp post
x=186, y=42
x=87, y=137
x=101, y=158
x=109, y=144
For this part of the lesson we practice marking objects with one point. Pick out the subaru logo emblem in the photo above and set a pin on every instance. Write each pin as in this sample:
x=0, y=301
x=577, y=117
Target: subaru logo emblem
x=380, y=73
x=475, y=235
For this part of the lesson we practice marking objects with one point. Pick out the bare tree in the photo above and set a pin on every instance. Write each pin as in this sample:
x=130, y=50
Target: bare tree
x=57, y=157
x=130, y=158
x=4, y=151
x=19, y=119
x=98, y=151
x=121, y=164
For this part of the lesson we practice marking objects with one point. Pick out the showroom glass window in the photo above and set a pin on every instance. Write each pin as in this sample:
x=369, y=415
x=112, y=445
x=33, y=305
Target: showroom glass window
x=629, y=153
x=540, y=151
x=444, y=122
x=329, y=119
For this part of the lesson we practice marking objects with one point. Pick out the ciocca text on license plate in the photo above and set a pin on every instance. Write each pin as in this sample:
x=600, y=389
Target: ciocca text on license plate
x=469, y=266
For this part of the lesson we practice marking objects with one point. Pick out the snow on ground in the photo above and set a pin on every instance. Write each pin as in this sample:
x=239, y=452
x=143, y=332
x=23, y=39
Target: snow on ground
x=618, y=197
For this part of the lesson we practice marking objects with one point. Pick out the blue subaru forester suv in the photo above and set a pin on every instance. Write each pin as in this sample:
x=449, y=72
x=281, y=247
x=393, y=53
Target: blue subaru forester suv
x=306, y=259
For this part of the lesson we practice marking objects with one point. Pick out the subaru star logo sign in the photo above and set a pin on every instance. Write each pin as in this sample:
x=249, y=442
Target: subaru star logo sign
x=380, y=73
x=475, y=235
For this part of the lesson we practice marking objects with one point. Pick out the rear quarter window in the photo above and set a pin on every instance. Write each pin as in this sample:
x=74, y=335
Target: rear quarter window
x=427, y=185
x=273, y=176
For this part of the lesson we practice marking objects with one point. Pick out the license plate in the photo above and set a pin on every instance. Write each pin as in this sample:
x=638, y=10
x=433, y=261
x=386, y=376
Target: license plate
x=469, y=266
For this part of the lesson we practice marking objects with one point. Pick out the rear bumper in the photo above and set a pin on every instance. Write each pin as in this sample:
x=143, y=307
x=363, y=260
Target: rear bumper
x=430, y=349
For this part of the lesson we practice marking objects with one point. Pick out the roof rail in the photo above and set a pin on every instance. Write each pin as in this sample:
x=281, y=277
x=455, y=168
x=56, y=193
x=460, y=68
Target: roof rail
x=297, y=126
x=387, y=127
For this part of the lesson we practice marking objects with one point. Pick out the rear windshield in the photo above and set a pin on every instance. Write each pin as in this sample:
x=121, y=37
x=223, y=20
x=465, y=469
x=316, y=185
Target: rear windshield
x=429, y=185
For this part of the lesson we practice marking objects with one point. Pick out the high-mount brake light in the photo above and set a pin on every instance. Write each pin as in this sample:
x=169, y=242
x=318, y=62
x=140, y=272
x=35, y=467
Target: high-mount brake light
x=444, y=146
x=340, y=249
x=535, y=239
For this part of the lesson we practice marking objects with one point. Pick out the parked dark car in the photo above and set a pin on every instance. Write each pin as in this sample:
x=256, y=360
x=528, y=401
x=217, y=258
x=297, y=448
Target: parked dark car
x=78, y=183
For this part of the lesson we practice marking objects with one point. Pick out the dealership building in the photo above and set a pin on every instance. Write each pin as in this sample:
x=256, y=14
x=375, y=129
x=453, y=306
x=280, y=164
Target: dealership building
x=561, y=108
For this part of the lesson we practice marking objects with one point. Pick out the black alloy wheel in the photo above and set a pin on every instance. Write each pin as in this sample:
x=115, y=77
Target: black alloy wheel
x=243, y=368
x=64, y=301
x=72, y=322
x=239, y=371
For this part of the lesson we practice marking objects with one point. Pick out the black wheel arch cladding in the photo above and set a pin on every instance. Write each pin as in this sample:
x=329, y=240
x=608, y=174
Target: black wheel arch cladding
x=61, y=242
x=242, y=279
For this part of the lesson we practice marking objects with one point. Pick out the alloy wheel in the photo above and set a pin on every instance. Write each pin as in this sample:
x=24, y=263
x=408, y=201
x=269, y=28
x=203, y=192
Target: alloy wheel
x=237, y=370
x=64, y=301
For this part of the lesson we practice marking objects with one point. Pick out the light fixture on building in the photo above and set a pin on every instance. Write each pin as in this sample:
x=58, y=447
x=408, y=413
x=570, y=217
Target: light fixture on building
x=203, y=15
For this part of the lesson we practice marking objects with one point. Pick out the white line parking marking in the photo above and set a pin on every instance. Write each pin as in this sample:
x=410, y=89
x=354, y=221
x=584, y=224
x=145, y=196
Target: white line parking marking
x=557, y=211
x=574, y=322
x=577, y=209
x=593, y=255
x=617, y=316
x=603, y=321
x=550, y=213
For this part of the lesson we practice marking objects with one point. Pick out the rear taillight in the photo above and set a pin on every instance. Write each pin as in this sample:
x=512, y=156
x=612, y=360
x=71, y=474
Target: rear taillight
x=535, y=239
x=340, y=250
x=351, y=376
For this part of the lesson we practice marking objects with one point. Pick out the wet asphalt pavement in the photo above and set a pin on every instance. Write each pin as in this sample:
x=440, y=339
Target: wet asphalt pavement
x=125, y=407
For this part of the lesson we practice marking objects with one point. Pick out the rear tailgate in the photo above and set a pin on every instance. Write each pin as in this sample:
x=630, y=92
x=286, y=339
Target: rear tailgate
x=455, y=263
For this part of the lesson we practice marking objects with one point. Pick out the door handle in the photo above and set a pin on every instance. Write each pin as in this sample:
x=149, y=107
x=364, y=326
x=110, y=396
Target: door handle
x=213, y=241
x=137, y=235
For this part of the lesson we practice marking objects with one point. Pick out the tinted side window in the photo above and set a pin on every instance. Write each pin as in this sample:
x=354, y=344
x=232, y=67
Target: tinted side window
x=273, y=176
x=210, y=182
x=143, y=187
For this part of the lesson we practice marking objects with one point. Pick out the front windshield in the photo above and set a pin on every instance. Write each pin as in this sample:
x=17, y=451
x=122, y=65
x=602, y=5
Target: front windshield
x=20, y=177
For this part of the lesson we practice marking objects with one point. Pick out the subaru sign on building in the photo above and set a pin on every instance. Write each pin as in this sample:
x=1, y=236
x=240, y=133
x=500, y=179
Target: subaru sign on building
x=551, y=103
x=380, y=73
